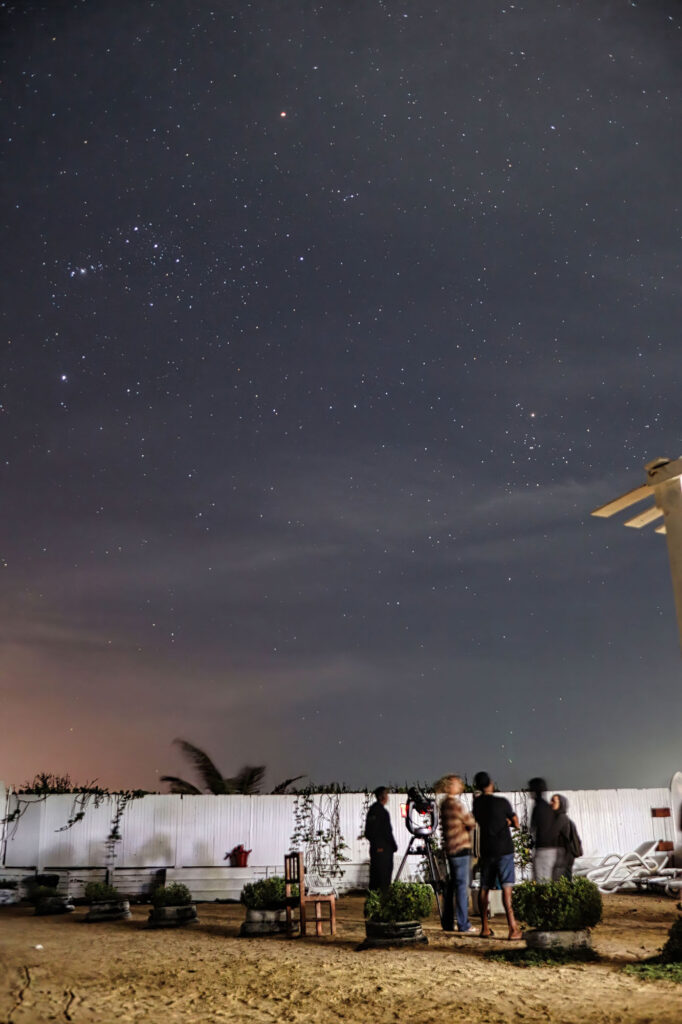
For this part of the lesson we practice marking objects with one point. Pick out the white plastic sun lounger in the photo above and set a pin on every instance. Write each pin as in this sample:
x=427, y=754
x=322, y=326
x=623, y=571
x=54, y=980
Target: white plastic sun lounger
x=628, y=870
x=668, y=881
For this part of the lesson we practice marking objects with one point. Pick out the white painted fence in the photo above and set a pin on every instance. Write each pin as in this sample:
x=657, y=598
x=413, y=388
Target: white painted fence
x=196, y=831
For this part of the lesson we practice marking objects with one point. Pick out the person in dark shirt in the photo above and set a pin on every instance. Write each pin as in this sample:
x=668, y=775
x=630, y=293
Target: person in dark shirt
x=494, y=815
x=568, y=840
x=544, y=829
x=382, y=844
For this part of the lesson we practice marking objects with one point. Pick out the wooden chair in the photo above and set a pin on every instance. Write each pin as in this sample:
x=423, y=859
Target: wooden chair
x=294, y=874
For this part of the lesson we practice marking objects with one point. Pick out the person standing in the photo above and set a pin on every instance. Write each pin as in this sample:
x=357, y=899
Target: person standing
x=544, y=829
x=568, y=840
x=494, y=816
x=457, y=825
x=382, y=844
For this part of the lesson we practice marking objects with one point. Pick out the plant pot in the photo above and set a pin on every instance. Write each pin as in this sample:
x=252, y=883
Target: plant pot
x=172, y=917
x=264, y=922
x=109, y=910
x=380, y=934
x=537, y=939
x=8, y=896
x=54, y=905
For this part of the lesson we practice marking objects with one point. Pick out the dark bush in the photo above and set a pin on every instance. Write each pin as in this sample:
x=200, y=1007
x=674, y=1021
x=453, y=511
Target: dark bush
x=402, y=901
x=266, y=894
x=672, y=951
x=49, y=881
x=100, y=892
x=8, y=883
x=37, y=893
x=174, y=895
x=558, y=906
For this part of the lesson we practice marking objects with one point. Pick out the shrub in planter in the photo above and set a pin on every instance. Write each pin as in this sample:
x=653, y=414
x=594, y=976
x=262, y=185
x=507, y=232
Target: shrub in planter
x=47, y=900
x=265, y=894
x=100, y=892
x=265, y=902
x=173, y=895
x=402, y=901
x=172, y=906
x=559, y=914
x=106, y=903
x=392, y=916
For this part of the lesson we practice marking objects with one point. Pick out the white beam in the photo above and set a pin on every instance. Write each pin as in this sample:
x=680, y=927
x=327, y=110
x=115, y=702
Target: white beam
x=644, y=518
x=625, y=500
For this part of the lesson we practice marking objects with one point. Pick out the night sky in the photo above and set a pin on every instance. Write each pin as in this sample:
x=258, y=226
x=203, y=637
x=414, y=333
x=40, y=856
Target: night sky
x=325, y=326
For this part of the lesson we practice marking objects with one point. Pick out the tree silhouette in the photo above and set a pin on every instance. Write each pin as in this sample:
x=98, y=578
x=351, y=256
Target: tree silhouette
x=248, y=779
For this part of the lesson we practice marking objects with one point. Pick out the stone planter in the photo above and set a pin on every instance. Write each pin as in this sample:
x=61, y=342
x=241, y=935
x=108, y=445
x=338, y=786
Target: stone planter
x=54, y=905
x=380, y=934
x=536, y=939
x=172, y=917
x=8, y=896
x=109, y=910
x=264, y=922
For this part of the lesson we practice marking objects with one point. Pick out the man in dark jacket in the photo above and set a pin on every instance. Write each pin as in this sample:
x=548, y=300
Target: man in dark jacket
x=544, y=829
x=382, y=845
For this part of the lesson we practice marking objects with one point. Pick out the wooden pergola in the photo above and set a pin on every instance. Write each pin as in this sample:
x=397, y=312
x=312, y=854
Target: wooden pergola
x=663, y=488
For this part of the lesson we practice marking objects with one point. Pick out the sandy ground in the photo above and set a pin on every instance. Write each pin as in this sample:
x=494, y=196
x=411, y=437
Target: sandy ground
x=122, y=972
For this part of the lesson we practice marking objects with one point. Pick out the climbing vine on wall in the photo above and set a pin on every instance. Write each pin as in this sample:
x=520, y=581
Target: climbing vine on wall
x=317, y=833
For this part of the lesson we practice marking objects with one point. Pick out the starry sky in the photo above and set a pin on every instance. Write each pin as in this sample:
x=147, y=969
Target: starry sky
x=325, y=325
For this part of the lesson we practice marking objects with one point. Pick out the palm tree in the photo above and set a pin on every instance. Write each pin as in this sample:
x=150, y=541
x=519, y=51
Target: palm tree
x=248, y=779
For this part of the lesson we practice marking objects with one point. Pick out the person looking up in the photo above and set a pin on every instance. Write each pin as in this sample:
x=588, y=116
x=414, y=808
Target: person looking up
x=543, y=827
x=495, y=815
x=457, y=825
x=382, y=844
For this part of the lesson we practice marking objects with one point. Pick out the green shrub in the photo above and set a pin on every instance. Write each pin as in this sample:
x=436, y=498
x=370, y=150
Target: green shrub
x=672, y=951
x=402, y=901
x=174, y=895
x=266, y=894
x=654, y=970
x=543, y=957
x=558, y=906
x=8, y=883
x=100, y=892
x=37, y=893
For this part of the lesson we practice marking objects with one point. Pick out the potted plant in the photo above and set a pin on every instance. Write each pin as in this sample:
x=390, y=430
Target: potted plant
x=265, y=902
x=106, y=903
x=239, y=857
x=392, y=916
x=9, y=891
x=172, y=906
x=42, y=893
x=559, y=914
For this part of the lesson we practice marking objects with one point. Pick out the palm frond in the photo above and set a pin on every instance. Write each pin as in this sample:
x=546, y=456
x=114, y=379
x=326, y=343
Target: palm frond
x=179, y=785
x=210, y=776
x=282, y=787
x=247, y=780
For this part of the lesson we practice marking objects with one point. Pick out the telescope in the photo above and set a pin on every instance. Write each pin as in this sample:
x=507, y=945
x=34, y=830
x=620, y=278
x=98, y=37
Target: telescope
x=421, y=813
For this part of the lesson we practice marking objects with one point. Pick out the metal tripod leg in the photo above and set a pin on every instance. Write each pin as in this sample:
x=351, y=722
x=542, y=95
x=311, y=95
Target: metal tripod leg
x=435, y=878
x=402, y=863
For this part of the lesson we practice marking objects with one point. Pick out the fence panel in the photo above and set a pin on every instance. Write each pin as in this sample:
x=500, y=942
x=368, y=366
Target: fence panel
x=197, y=831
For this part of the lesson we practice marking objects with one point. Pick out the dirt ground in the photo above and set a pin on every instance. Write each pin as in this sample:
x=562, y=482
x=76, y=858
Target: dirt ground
x=61, y=969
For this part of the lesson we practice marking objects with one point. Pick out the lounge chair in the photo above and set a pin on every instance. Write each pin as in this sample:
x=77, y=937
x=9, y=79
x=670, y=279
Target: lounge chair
x=667, y=881
x=628, y=870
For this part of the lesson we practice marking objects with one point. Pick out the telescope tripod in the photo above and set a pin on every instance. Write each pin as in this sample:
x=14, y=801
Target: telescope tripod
x=434, y=878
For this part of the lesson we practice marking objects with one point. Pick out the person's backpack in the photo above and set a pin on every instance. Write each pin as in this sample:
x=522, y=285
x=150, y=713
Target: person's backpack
x=575, y=847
